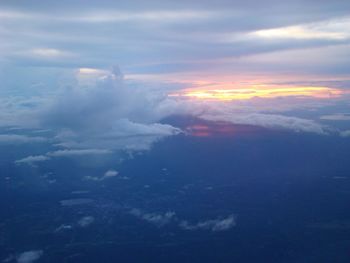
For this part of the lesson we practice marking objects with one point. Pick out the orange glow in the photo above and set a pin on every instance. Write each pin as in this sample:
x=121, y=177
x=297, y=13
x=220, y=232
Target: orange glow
x=220, y=129
x=199, y=130
x=262, y=91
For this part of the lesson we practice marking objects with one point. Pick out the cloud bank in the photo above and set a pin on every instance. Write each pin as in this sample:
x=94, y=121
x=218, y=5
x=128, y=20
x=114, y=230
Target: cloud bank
x=99, y=113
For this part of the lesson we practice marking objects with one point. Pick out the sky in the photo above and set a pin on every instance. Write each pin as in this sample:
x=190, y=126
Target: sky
x=93, y=77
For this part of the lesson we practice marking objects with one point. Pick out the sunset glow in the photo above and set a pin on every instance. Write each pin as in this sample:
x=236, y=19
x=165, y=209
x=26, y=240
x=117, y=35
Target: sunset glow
x=260, y=91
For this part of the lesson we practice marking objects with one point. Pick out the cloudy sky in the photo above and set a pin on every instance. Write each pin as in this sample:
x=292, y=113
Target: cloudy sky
x=101, y=75
x=197, y=38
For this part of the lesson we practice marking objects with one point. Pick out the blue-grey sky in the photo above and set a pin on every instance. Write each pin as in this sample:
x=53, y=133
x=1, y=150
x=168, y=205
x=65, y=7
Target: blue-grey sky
x=157, y=37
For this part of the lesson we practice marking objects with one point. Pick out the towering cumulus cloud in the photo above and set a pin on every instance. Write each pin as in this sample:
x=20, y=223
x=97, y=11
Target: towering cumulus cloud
x=97, y=114
x=105, y=114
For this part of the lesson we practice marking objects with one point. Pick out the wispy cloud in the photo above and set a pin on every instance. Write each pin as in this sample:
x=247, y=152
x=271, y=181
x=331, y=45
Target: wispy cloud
x=215, y=225
x=86, y=221
x=29, y=256
x=345, y=133
x=336, y=117
x=20, y=139
x=107, y=175
x=79, y=152
x=157, y=219
x=32, y=159
x=269, y=121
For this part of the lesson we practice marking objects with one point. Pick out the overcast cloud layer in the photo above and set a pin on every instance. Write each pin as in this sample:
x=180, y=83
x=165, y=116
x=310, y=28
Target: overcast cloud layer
x=221, y=37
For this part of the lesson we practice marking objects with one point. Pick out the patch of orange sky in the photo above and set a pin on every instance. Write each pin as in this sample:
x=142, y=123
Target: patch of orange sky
x=227, y=92
x=247, y=86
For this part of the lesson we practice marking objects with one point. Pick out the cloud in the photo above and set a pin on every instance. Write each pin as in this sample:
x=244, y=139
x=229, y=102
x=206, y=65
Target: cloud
x=48, y=52
x=32, y=159
x=333, y=30
x=76, y=201
x=110, y=173
x=193, y=36
x=154, y=218
x=62, y=153
x=29, y=256
x=20, y=139
x=98, y=118
x=79, y=152
x=86, y=221
x=282, y=112
x=336, y=117
x=162, y=219
x=107, y=115
x=345, y=133
x=122, y=135
x=215, y=225
x=63, y=228
x=107, y=175
x=268, y=121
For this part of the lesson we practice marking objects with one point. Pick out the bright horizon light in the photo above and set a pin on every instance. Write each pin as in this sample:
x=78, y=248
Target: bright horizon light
x=260, y=91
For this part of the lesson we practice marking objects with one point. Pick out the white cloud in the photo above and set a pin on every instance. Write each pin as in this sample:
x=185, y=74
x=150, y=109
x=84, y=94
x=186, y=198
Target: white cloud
x=63, y=228
x=19, y=139
x=29, y=256
x=32, y=159
x=78, y=152
x=121, y=135
x=268, y=121
x=76, y=201
x=86, y=221
x=345, y=133
x=272, y=113
x=104, y=117
x=300, y=32
x=161, y=16
x=336, y=117
x=157, y=219
x=62, y=153
x=49, y=53
x=92, y=178
x=107, y=175
x=110, y=173
x=214, y=225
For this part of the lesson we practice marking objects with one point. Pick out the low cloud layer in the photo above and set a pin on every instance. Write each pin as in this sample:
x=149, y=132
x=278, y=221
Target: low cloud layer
x=154, y=218
x=336, y=117
x=97, y=112
x=268, y=121
x=86, y=221
x=20, y=139
x=29, y=256
x=32, y=159
x=162, y=219
x=215, y=225
x=107, y=175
